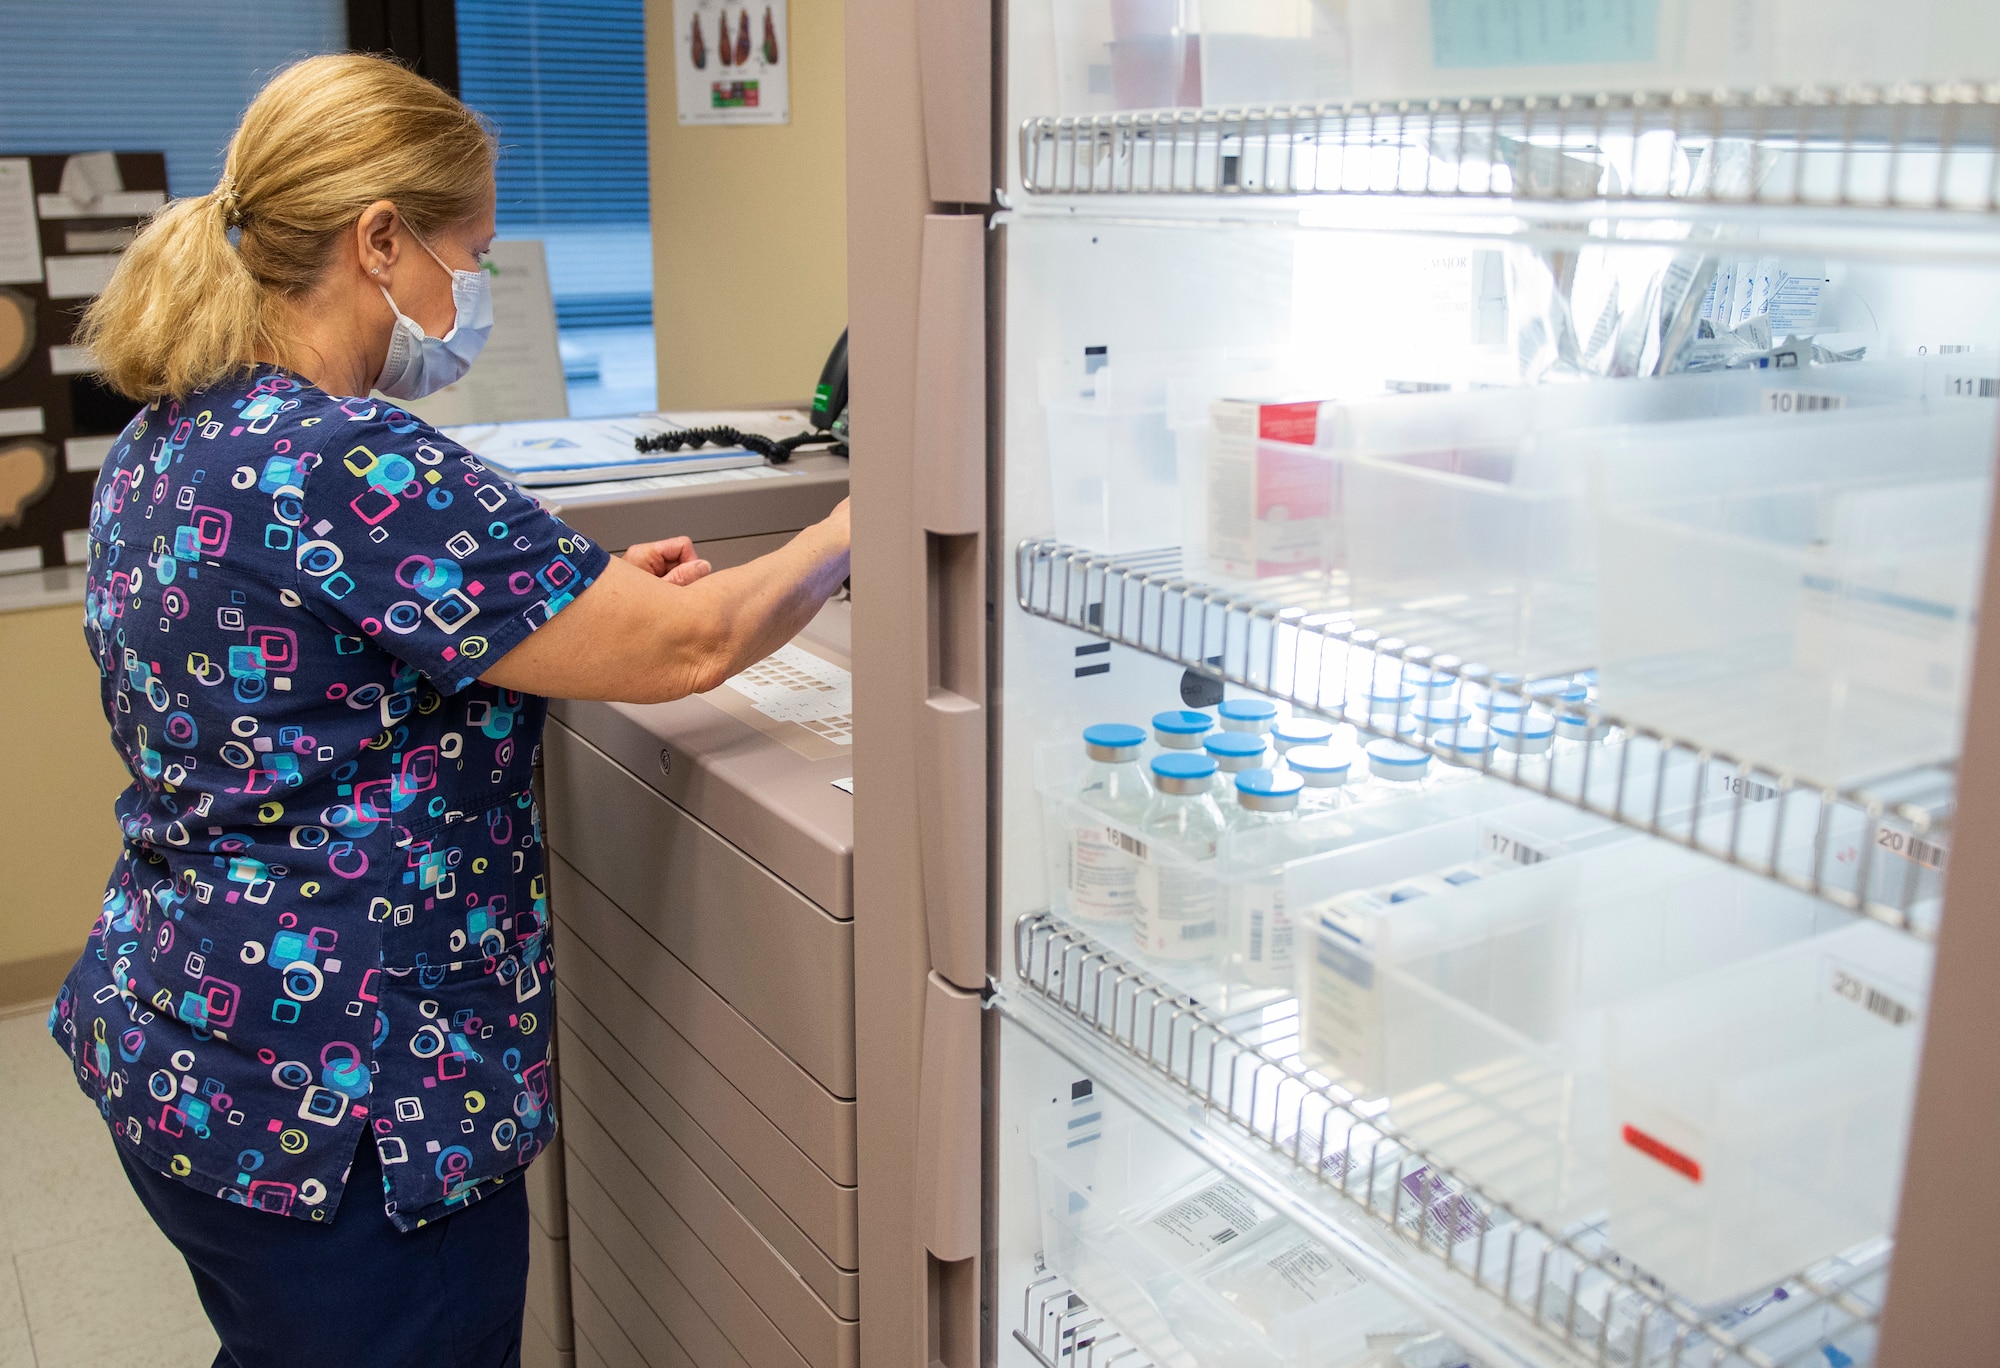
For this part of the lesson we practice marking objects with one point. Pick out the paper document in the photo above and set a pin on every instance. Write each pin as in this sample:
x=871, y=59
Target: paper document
x=20, y=239
x=582, y=450
x=91, y=187
x=1496, y=33
x=625, y=489
x=80, y=277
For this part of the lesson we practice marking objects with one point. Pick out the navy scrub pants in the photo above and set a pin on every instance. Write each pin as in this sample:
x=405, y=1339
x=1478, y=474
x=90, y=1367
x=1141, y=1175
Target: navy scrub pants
x=355, y=1291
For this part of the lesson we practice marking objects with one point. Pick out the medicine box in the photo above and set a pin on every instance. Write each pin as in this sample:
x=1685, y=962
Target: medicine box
x=1270, y=500
x=1466, y=910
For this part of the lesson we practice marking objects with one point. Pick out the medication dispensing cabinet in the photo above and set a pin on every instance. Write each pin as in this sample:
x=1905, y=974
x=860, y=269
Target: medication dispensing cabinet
x=699, y=871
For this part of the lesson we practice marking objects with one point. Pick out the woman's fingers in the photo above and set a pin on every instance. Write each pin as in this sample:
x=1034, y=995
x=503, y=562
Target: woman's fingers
x=688, y=571
x=658, y=558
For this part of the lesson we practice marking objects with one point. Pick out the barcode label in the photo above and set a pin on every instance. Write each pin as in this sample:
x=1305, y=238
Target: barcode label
x=1929, y=854
x=1972, y=386
x=1744, y=787
x=1131, y=845
x=1848, y=984
x=1801, y=401
x=1511, y=847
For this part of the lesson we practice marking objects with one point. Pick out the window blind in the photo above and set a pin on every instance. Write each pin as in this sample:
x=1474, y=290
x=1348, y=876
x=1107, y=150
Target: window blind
x=564, y=82
x=142, y=76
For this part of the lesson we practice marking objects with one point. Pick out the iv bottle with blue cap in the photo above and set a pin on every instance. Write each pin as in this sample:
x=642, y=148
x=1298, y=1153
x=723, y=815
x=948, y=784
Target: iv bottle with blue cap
x=1174, y=911
x=1260, y=939
x=1294, y=732
x=1180, y=729
x=1395, y=770
x=1103, y=860
x=1526, y=744
x=1255, y=715
x=1324, y=772
x=1233, y=753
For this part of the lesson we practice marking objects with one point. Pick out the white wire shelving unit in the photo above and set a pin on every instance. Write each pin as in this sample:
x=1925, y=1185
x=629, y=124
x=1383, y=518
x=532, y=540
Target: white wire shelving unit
x=1230, y=1084
x=1878, y=850
x=1510, y=1288
x=1059, y=1329
x=1904, y=146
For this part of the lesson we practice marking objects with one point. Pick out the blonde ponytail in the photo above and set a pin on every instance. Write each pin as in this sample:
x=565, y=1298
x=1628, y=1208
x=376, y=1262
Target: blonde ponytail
x=323, y=140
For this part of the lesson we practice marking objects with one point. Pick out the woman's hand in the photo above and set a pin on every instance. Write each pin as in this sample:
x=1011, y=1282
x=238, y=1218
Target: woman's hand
x=672, y=560
x=632, y=638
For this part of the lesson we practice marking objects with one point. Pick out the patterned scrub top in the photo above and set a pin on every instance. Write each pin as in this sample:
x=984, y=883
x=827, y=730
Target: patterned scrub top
x=330, y=916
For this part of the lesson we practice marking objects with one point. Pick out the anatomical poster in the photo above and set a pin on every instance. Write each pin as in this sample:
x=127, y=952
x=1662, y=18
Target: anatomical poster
x=732, y=61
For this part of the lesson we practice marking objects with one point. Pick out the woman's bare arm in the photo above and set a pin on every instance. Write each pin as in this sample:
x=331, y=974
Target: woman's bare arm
x=640, y=637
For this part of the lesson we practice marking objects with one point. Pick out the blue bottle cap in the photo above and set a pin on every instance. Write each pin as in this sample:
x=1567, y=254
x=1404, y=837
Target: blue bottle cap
x=1302, y=731
x=1532, y=726
x=1232, y=745
x=1114, y=736
x=1525, y=733
x=1441, y=716
x=1267, y=783
x=1394, y=760
x=1182, y=723
x=1322, y=766
x=1466, y=743
x=1183, y=772
x=1550, y=692
x=1262, y=790
x=1247, y=710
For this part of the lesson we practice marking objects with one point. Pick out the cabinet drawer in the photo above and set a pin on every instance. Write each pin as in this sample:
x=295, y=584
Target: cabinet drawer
x=781, y=962
x=754, y=1297
x=621, y=1326
x=538, y=1348
x=631, y=1229
x=654, y=1005
x=715, y=1151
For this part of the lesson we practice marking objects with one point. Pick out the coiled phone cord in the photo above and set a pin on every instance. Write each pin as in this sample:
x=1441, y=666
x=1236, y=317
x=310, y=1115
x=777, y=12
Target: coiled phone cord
x=775, y=450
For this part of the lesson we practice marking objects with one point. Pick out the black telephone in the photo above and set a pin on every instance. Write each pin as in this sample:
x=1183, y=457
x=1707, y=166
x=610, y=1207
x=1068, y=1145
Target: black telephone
x=829, y=410
x=829, y=421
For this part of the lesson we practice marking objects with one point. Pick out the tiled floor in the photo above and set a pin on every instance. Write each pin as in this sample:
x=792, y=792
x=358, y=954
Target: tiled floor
x=85, y=1279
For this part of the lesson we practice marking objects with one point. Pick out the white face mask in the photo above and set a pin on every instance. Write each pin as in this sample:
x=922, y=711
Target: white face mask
x=419, y=364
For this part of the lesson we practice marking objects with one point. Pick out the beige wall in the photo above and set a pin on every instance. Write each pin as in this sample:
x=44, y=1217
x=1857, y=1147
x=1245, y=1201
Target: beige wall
x=57, y=834
x=749, y=228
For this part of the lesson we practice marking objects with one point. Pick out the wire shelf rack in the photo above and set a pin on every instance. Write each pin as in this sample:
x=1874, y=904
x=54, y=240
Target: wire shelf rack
x=1879, y=850
x=1556, y=1297
x=1060, y=1330
x=1909, y=146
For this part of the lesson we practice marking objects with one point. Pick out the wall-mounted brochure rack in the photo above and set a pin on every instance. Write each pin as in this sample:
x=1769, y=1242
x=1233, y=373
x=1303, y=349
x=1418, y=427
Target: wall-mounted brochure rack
x=1060, y=1330
x=1879, y=849
x=1234, y=1089
x=1917, y=146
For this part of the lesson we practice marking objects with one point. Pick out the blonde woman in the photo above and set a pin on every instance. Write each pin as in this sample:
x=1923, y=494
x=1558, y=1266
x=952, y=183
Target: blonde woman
x=315, y=1011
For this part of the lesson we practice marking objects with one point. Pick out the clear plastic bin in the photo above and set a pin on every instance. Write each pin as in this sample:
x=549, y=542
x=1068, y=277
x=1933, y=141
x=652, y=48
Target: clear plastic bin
x=1802, y=597
x=1112, y=470
x=1760, y=1113
x=1471, y=508
x=1260, y=856
x=1467, y=911
x=1531, y=1121
x=1189, y=1264
x=1126, y=54
x=1266, y=52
